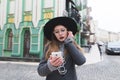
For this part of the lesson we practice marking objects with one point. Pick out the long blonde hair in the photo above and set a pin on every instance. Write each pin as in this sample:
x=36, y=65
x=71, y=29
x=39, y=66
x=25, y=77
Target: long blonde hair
x=53, y=46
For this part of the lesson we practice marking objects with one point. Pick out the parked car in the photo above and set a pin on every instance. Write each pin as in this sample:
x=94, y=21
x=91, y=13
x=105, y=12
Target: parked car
x=113, y=48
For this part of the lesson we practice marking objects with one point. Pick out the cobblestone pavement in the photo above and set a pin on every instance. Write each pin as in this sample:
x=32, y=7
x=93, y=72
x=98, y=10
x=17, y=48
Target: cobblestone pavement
x=107, y=69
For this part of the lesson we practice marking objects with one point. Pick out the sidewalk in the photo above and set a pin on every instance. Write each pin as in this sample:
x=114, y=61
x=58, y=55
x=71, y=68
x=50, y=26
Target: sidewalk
x=93, y=56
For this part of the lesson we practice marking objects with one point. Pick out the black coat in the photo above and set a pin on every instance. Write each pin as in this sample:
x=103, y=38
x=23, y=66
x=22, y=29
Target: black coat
x=73, y=57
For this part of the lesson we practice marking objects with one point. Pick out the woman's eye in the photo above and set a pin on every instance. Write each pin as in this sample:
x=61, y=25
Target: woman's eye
x=56, y=31
x=63, y=30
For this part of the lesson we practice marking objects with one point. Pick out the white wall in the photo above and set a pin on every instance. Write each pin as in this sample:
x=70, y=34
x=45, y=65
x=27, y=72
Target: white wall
x=36, y=12
x=18, y=12
x=3, y=12
x=59, y=8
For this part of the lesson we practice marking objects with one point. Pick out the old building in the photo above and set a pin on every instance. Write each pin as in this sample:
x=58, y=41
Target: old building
x=22, y=22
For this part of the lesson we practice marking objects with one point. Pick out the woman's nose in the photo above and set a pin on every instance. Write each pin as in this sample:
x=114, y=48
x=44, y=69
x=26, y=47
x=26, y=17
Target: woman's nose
x=60, y=32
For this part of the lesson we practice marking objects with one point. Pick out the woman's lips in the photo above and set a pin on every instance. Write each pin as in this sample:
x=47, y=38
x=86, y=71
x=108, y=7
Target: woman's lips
x=61, y=37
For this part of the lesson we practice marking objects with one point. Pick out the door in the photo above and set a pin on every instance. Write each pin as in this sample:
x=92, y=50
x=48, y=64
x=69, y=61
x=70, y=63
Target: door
x=26, y=43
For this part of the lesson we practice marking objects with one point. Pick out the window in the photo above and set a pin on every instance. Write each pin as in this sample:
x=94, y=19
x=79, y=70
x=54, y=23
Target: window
x=10, y=36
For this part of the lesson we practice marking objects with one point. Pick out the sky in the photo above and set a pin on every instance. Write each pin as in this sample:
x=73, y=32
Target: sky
x=107, y=14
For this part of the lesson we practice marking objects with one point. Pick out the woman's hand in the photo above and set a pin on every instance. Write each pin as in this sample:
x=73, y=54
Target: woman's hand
x=70, y=37
x=70, y=34
x=56, y=60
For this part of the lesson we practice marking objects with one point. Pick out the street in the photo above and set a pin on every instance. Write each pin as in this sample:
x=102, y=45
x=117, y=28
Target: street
x=107, y=69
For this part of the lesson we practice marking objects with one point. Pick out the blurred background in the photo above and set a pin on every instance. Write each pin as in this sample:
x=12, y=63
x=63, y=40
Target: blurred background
x=22, y=22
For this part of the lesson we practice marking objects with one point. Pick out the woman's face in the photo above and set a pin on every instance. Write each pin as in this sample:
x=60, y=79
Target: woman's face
x=60, y=32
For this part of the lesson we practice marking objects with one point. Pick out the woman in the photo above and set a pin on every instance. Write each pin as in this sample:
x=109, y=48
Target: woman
x=61, y=53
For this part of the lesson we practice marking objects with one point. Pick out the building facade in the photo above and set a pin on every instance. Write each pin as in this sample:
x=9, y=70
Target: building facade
x=22, y=22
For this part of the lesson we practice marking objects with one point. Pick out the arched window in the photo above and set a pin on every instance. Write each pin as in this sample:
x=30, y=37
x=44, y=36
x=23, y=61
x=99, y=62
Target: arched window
x=10, y=36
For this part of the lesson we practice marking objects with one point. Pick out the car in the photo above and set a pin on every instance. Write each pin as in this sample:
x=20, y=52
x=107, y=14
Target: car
x=113, y=48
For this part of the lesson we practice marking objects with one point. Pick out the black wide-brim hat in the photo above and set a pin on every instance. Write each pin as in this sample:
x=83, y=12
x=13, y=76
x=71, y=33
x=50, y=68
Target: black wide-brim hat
x=68, y=22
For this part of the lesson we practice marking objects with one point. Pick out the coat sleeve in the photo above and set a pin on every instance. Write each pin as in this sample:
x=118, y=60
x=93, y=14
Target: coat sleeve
x=75, y=53
x=43, y=69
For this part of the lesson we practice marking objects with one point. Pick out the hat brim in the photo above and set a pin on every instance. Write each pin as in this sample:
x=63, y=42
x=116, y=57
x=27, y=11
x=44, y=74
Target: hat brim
x=68, y=22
